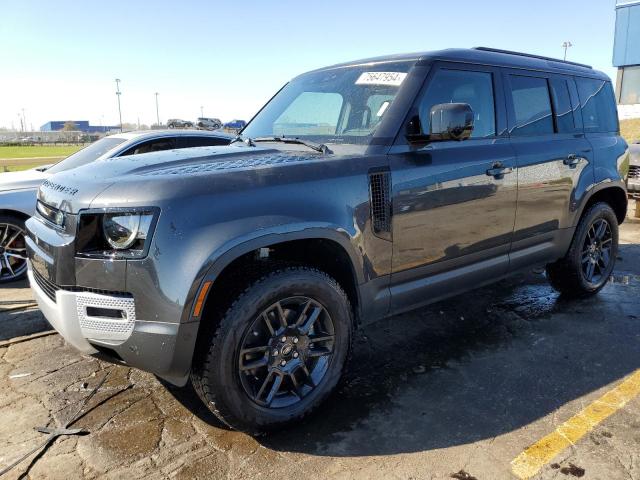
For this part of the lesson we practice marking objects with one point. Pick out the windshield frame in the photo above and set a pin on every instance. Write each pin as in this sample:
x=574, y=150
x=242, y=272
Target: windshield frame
x=382, y=134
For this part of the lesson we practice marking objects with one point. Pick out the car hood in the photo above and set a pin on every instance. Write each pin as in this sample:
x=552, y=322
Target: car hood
x=75, y=189
x=22, y=180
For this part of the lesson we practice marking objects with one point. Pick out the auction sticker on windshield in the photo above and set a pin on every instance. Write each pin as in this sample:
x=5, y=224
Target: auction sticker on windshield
x=381, y=78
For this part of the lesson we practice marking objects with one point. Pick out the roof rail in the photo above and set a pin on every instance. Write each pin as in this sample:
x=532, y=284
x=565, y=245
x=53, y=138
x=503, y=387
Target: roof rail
x=529, y=55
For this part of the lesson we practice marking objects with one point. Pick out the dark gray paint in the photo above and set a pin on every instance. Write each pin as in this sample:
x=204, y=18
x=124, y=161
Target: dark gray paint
x=454, y=226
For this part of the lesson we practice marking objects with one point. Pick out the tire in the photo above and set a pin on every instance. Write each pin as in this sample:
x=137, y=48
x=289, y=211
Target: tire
x=242, y=397
x=171, y=125
x=12, y=245
x=571, y=275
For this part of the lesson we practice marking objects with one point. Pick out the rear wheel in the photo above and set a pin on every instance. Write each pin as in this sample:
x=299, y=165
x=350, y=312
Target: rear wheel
x=589, y=263
x=13, y=251
x=277, y=353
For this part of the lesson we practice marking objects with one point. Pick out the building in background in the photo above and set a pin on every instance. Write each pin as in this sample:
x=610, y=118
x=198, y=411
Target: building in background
x=79, y=126
x=626, y=56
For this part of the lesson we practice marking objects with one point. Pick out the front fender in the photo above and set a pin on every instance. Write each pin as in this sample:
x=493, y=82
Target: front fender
x=22, y=201
x=223, y=256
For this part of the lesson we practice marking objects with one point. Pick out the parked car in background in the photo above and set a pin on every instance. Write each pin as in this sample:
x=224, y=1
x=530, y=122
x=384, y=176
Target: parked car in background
x=359, y=191
x=235, y=125
x=18, y=189
x=633, y=181
x=208, y=123
x=177, y=123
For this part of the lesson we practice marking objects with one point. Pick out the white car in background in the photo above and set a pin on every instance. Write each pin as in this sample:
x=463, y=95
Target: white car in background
x=18, y=189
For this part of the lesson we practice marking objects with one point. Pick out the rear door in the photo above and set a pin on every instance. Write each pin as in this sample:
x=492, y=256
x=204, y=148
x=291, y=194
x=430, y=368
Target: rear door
x=452, y=218
x=554, y=162
x=601, y=126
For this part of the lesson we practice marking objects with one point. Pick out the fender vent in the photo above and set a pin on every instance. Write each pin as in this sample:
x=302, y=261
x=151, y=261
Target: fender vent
x=379, y=192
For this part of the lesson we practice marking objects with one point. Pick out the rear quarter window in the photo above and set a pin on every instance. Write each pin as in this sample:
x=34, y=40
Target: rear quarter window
x=598, y=105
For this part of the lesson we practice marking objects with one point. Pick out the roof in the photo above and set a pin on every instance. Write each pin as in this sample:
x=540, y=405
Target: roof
x=483, y=56
x=173, y=132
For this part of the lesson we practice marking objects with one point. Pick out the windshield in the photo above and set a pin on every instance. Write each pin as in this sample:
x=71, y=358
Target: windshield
x=341, y=105
x=87, y=154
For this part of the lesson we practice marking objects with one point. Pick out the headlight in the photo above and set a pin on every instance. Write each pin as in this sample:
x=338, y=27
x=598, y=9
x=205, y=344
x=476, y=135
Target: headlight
x=121, y=231
x=116, y=233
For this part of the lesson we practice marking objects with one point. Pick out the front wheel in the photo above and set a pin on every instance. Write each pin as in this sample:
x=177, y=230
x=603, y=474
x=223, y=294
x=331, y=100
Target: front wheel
x=589, y=262
x=278, y=351
x=13, y=251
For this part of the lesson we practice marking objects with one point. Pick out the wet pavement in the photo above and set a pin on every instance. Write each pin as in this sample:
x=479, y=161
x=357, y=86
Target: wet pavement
x=455, y=390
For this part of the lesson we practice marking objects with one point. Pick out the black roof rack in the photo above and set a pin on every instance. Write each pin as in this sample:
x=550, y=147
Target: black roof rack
x=509, y=52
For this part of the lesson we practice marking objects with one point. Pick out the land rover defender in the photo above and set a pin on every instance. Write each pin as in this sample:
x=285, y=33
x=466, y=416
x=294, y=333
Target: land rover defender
x=357, y=192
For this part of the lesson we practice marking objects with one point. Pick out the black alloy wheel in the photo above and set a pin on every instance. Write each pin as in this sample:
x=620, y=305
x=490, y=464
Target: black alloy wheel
x=286, y=352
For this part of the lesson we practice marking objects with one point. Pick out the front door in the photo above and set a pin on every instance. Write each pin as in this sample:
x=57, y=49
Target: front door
x=454, y=202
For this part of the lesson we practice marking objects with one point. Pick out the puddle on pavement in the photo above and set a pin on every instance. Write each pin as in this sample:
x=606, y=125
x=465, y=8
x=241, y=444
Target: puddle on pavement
x=627, y=279
x=390, y=353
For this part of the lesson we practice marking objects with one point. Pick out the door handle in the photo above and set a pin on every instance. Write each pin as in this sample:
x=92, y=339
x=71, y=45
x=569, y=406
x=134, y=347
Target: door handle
x=572, y=160
x=498, y=171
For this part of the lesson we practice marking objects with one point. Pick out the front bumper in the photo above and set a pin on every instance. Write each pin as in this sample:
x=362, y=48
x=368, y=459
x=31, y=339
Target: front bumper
x=161, y=348
x=62, y=315
x=83, y=318
x=633, y=186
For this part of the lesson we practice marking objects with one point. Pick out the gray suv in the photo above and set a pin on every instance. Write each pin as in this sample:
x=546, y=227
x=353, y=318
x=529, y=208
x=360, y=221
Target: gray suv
x=359, y=191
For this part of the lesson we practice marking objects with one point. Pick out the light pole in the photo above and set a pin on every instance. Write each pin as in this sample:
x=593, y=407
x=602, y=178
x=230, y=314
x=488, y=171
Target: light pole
x=201, y=111
x=157, y=114
x=566, y=46
x=118, y=93
x=24, y=119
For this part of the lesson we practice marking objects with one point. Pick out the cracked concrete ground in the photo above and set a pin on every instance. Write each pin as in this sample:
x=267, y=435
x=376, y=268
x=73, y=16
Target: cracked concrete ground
x=462, y=386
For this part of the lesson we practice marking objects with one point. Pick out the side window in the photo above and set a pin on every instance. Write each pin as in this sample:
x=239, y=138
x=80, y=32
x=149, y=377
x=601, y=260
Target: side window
x=458, y=86
x=151, y=146
x=562, y=109
x=598, y=104
x=188, y=142
x=531, y=106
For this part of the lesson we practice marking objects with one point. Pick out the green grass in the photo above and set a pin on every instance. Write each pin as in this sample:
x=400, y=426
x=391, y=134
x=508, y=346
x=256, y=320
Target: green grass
x=35, y=151
x=630, y=130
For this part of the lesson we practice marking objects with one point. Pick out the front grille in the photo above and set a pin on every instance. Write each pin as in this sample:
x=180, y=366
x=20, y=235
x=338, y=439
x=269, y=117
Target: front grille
x=47, y=287
x=634, y=171
x=50, y=288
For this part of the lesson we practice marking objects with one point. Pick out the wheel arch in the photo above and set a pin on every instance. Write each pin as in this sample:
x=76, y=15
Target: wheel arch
x=220, y=267
x=14, y=213
x=612, y=193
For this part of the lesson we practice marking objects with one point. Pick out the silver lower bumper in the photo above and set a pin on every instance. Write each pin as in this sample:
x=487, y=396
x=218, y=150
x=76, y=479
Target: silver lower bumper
x=76, y=316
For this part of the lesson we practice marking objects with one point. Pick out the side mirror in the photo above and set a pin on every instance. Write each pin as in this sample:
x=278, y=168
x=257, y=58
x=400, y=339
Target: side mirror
x=451, y=121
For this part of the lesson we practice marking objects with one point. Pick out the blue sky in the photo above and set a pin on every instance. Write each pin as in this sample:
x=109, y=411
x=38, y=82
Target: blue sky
x=59, y=58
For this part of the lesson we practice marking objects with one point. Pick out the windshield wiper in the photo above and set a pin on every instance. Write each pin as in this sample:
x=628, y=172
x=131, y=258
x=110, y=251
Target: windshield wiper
x=318, y=147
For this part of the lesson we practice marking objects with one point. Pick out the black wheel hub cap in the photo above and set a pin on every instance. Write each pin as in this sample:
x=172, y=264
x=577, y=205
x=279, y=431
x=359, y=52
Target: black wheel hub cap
x=286, y=351
x=596, y=255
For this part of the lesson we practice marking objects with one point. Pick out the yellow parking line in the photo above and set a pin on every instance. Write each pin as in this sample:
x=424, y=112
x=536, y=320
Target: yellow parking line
x=529, y=462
